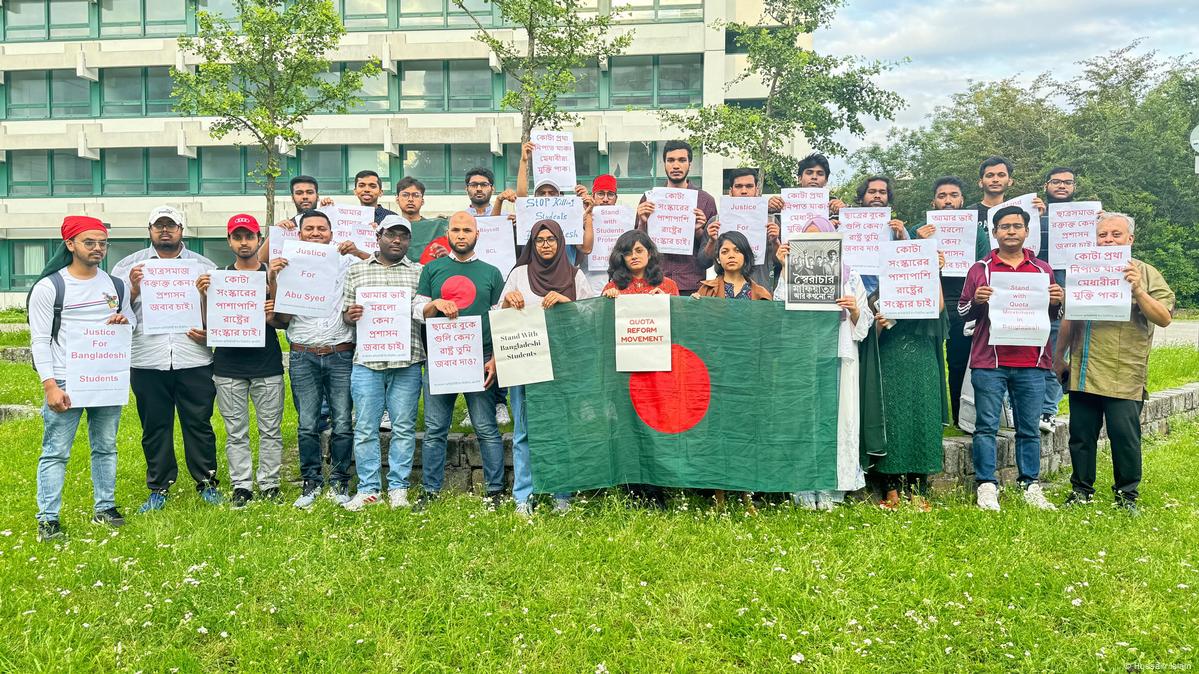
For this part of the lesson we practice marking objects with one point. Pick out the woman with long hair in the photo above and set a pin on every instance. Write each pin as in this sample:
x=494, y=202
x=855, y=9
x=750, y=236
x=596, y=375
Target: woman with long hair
x=734, y=260
x=635, y=267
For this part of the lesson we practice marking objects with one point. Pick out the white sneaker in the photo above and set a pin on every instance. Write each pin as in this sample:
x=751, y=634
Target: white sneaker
x=501, y=414
x=385, y=422
x=308, y=497
x=398, y=498
x=1034, y=497
x=988, y=496
x=361, y=501
x=561, y=506
x=524, y=509
x=339, y=494
x=805, y=499
x=824, y=501
x=466, y=421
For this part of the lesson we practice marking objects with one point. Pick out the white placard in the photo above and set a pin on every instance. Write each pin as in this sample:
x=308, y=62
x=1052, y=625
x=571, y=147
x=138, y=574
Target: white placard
x=747, y=215
x=908, y=282
x=566, y=211
x=307, y=285
x=98, y=365
x=607, y=224
x=384, y=333
x=554, y=159
x=353, y=223
x=277, y=236
x=1024, y=201
x=672, y=224
x=643, y=333
x=236, y=308
x=812, y=278
x=495, y=245
x=170, y=300
x=1019, y=309
x=956, y=234
x=455, y=354
x=862, y=231
x=1071, y=228
x=800, y=206
x=522, y=346
x=1095, y=285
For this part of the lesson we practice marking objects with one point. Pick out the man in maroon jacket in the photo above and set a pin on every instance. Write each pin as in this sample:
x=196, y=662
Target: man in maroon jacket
x=685, y=270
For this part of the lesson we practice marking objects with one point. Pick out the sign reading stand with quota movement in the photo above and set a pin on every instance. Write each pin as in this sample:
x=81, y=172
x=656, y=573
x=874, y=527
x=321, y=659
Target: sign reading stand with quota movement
x=98, y=365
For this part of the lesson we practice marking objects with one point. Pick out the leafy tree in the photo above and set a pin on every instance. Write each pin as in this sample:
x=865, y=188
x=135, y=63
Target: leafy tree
x=264, y=73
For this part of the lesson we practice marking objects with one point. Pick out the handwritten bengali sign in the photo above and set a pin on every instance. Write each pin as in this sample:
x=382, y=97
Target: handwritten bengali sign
x=237, y=308
x=1095, y=286
x=495, y=245
x=607, y=224
x=98, y=365
x=170, y=300
x=908, y=281
x=307, y=286
x=747, y=215
x=1024, y=201
x=1071, y=228
x=455, y=354
x=554, y=159
x=800, y=206
x=863, y=231
x=1019, y=309
x=956, y=234
x=566, y=211
x=522, y=346
x=353, y=223
x=672, y=224
x=643, y=333
x=384, y=333
x=812, y=276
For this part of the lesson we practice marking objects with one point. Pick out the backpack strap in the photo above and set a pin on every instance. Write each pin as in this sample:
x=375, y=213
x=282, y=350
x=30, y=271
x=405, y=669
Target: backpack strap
x=60, y=294
x=119, y=286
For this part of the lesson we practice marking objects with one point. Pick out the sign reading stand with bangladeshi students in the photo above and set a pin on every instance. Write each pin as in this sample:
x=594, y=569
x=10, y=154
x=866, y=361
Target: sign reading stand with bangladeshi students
x=305, y=287
x=1019, y=309
x=522, y=346
x=607, y=224
x=566, y=211
x=642, y=333
x=800, y=206
x=454, y=354
x=747, y=215
x=170, y=300
x=98, y=365
x=956, y=233
x=908, y=283
x=672, y=224
x=236, y=308
x=1024, y=201
x=353, y=223
x=554, y=159
x=384, y=333
x=864, y=230
x=1095, y=286
x=812, y=274
x=1071, y=228
x=495, y=245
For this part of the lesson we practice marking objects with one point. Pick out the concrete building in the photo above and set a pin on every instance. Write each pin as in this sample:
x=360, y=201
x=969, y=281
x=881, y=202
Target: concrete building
x=86, y=125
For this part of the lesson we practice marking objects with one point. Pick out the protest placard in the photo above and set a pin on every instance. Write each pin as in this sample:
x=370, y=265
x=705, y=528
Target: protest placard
x=672, y=224
x=643, y=333
x=307, y=286
x=277, y=236
x=813, y=272
x=522, y=346
x=1071, y=228
x=607, y=224
x=863, y=230
x=554, y=159
x=800, y=206
x=908, y=283
x=495, y=245
x=384, y=333
x=236, y=309
x=353, y=223
x=1019, y=309
x=956, y=234
x=169, y=298
x=1095, y=286
x=1024, y=201
x=566, y=211
x=747, y=215
x=98, y=365
x=455, y=354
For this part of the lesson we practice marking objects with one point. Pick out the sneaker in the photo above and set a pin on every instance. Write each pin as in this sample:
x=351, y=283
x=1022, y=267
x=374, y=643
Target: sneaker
x=338, y=493
x=824, y=501
x=494, y=500
x=385, y=423
x=50, y=531
x=361, y=501
x=422, y=503
x=988, y=496
x=1034, y=497
x=398, y=498
x=1128, y=506
x=466, y=421
x=501, y=414
x=241, y=497
x=270, y=494
x=561, y=506
x=805, y=500
x=1048, y=423
x=524, y=509
x=1077, y=498
x=110, y=517
x=156, y=501
x=211, y=496
x=312, y=491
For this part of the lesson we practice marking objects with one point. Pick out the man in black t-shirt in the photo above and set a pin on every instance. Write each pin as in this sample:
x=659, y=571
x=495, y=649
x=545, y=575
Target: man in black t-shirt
x=245, y=373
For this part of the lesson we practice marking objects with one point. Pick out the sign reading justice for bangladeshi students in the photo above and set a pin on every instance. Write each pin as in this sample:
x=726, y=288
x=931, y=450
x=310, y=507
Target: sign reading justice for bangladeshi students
x=566, y=211
x=956, y=232
x=236, y=308
x=672, y=224
x=455, y=354
x=384, y=333
x=643, y=333
x=554, y=159
x=306, y=285
x=98, y=365
x=800, y=206
x=170, y=300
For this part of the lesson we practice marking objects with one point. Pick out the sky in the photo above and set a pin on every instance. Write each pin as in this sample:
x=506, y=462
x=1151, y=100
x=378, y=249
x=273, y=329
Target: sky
x=951, y=43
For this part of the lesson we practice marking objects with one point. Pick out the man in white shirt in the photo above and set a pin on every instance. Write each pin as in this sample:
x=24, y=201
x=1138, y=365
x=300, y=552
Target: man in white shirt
x=171, y=373
x=90, y=297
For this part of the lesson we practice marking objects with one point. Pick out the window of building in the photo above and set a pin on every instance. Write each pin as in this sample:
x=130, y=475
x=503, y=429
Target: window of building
x=326, y=163
x=124, y=171
x=668, y=10
x=437, y=86
x=72, y=173
x=156, y=170
x=442, y=13
x=119, y=249
x=28, y=94
x=334, y=166
x=375, y=92
x=632, y=81
x=222, y=170
x=28, y=259
x=586, y=93
x=25, y=20
x=142, y=17
x=469, y=85
x=363, y=14
x=226, y=9
x=364, y=158
x=122, y=92
x=29, y=173
x=422, y=85
x=673, y=80
x=638, y=165
x=70, y=96
x=427, y=163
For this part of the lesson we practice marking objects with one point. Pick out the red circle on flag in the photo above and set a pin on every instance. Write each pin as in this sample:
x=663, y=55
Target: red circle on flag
x=459, y=290
x=672, y=402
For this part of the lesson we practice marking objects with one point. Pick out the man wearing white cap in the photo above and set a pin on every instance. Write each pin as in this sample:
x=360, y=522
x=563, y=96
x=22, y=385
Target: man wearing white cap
x=171, y=373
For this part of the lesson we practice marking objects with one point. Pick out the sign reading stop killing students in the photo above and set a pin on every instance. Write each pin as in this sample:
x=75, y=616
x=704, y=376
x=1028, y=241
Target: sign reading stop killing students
x=672, y=224
x=495, y=245
x=1024, y=201
x=1071, y=228
x=353, y=223
x=800, y=206
x=607, y=224
x=277, y=236
x=863, y=231
x=1019, y=309
x=384, y=333
x=1095, y=286
x=554, y=159
x=643, y=333
x=747, y=215
x=522, y=346
x=566, y=211
x=956, y=234
x=170, y=300
x=236, y=308
x=98, y=365
x=908, y=282
x=455, y=354
x=307, y=285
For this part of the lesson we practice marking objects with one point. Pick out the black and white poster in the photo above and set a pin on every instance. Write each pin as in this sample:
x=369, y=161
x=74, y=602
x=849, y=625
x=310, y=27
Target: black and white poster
x=813, y=272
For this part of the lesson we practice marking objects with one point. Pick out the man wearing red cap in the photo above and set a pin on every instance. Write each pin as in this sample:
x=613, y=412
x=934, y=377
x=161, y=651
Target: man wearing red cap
x=245, y=373
x=90, y=297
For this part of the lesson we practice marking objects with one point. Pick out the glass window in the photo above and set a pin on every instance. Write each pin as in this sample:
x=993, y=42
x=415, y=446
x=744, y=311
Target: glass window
x=25, y=19
x=72, y=173
x=634, y=164
x=121, y=91
x=28, y=258
x=426, y=163
x=221, y=170
x=120, y=17
x=28, y=95
x=422, y=85
x=470, y=85
x=367, y=157
x=70, y=96
x=680, y=80
x=216, y=250
x=360, y=14
x=124, y=171
x=119, y=249
x=374, y=92
x=256, y=162
x=632, y=80
x=223, y=8
x=68, y=18
x=158, y=91
x=29, y=173
x=166, y=17
x=458, y=17
x=586, y=93
x=464, y=158
x=587, y=163
x=323, y=162
x=166, y=171
x=422, y=12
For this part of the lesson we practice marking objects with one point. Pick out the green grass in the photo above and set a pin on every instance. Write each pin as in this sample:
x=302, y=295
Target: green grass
x=14, y=338
x=1169, y=366
x=13, y=316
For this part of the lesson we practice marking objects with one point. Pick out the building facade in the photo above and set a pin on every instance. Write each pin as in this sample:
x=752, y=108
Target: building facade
x=87, y=127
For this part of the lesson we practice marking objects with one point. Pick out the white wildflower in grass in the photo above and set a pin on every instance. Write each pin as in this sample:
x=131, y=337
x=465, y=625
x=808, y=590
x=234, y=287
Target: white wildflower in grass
x=1076, y=602
x=797, y=658
x=202, y=629
x=224, y=635
x=601, y=669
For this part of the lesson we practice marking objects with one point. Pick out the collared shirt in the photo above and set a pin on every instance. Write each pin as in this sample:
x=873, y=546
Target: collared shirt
x=688, y=270
x=175, y=351
x=373, y=273
x=478, y=211
x=419, y=301
x=329, y=329
x=982, y=353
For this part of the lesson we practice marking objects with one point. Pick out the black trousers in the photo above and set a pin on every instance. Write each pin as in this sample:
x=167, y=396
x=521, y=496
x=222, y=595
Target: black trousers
x=1088, y=413
x=957, y=358
x=160, y=393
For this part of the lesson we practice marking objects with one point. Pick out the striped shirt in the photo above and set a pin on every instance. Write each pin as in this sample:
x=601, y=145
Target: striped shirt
x=373, y=273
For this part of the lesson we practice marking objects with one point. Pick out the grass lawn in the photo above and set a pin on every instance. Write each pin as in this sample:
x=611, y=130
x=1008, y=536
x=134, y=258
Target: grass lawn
x=13, y=316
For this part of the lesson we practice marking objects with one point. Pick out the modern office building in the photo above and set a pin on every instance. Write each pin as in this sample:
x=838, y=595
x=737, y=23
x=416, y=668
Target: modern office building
x=87, y=127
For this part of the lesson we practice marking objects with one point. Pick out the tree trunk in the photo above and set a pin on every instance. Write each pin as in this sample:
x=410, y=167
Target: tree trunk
x=271, y=170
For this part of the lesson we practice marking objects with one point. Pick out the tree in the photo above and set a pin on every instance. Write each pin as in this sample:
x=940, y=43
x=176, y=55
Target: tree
x=808, y=93
x=266, y=75
x=558, y=36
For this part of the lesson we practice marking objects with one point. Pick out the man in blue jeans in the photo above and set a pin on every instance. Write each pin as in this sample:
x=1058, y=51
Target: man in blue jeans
x=1059, y=188
x=1018, y=371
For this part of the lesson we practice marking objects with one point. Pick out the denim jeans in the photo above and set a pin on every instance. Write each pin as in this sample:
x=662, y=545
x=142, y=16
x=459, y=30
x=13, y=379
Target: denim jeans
x=522, y=470
x=398, y=391
x=59, y=435
x=439, y=410
x=1053, y=385
x=312, y=376
x=1025, y=387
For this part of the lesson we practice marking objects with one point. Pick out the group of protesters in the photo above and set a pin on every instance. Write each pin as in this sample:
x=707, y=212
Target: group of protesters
x=893, y=402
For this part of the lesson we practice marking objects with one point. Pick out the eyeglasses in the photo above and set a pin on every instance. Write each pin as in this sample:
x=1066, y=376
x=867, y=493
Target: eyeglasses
x=1009, y=226
x=542, y=241
x=393, y=234
x=478, y=186
x=92, y=244
x=166, y=227
x=1056, y=182
x=410, y=195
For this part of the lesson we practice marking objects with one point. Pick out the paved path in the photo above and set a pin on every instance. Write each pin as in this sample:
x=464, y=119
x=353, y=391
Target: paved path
x=1178, y=332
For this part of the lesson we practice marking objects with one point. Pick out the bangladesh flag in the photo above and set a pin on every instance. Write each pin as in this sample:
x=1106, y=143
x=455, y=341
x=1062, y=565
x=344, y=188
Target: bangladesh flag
x=750, y=403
